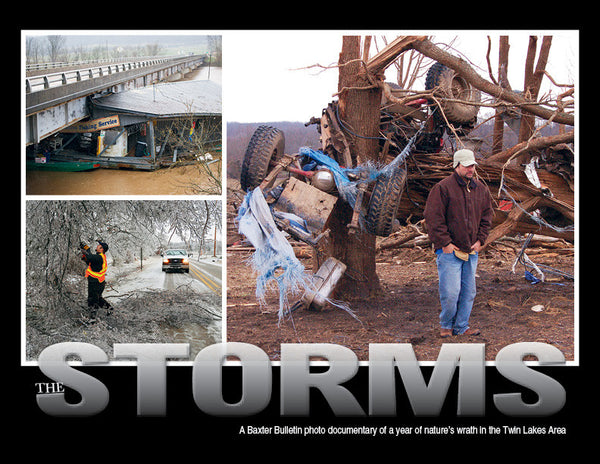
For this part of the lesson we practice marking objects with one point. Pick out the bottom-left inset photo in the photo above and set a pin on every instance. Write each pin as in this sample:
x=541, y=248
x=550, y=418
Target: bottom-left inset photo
x=122, y=271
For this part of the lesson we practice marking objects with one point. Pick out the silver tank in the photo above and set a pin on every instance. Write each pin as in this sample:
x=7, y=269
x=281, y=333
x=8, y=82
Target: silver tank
x=323, y=180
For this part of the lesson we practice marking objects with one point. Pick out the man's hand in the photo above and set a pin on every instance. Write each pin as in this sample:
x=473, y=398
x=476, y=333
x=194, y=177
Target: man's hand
x=476, y=246
x=450, y=248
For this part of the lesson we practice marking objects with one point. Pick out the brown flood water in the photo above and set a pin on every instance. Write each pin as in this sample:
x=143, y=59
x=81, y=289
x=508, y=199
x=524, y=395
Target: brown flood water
x=183, y=180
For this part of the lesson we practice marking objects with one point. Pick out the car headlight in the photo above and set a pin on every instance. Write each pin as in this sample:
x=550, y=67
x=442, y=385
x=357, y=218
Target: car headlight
x=166, y=261
x=185, y=261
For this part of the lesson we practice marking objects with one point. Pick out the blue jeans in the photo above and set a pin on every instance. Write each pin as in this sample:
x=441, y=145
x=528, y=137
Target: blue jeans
x=457, y=290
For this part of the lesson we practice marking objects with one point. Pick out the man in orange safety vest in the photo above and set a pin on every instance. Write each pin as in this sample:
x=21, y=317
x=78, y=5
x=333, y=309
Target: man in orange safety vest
x=95, y=274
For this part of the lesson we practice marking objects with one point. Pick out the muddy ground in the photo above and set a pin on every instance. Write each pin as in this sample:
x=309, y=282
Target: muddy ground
x=408, y=310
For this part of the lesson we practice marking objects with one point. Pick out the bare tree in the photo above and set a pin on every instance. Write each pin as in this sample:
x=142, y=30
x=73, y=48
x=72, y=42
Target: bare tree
x=533, y=80
x=153, y=49
x=197, y=142
x=33, y=49
x=215, y=48
x=56, y=47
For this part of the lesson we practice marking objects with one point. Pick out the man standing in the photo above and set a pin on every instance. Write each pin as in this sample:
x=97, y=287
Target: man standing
x=95, y=274
x=458, y=215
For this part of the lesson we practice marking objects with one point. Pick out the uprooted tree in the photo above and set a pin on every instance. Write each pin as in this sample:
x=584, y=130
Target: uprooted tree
x=532, y=182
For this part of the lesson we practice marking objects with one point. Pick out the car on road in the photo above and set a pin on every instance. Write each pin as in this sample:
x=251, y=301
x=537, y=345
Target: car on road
x=175, y=260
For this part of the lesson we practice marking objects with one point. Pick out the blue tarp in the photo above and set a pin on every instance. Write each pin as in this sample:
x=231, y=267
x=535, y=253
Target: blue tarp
x=364, y=173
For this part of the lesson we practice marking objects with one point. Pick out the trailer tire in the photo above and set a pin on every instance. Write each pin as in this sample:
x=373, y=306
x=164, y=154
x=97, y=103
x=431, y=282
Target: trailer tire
x=266, y=145
x=384, y=203
x=452, y=86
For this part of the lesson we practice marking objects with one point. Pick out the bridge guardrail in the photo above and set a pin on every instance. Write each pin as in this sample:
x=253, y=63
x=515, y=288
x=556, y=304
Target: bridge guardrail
x=46, y=81
x=55, y=90
x=32, y=67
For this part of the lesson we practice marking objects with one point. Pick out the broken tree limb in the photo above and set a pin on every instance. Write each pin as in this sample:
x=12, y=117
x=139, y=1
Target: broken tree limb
x=420, y=241
x=398, y=239
x=513, y=217
x=427, y=48
x=538, y=143
x=496, y=174
x=388, y=55
x=425, y=170
x=393, y=242
x=516, y=219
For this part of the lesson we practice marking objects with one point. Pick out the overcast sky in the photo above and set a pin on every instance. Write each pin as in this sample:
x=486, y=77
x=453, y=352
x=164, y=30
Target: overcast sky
x=262, y=81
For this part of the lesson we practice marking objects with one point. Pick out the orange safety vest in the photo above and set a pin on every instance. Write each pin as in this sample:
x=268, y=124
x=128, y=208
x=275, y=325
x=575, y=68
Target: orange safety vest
x=98, y=275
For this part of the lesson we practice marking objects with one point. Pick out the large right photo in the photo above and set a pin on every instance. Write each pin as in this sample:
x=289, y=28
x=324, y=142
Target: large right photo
x=406, y=187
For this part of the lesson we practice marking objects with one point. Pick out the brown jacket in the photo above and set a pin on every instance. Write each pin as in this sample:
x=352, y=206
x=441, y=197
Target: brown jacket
x=458, y=212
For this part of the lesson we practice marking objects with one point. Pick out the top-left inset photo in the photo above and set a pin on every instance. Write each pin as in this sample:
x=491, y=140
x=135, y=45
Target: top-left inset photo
x=122, y=114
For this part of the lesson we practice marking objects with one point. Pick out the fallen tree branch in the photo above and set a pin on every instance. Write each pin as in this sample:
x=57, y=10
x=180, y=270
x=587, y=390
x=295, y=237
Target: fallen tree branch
x=534, y=144
x=427, y=48
x=394, y=242
x=513, y=217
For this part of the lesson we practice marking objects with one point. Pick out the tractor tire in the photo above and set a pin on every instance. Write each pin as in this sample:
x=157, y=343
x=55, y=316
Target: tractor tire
x=384, y=203
x=451, y=85
x=266, y=145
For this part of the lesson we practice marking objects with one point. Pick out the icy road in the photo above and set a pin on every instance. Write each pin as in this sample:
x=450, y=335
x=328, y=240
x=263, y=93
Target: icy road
x=204, y=276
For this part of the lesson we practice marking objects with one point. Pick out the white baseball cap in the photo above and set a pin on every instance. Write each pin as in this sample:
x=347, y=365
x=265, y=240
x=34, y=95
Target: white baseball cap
x=464, y=157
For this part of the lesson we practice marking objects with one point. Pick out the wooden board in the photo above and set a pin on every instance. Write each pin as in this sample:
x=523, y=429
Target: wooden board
x=306, y=201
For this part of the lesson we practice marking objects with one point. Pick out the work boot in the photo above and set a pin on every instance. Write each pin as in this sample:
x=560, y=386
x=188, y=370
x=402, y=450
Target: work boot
x=471, y=331
x=445, y=333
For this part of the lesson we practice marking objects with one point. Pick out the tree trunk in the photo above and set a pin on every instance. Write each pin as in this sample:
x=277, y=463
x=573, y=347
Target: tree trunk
x=498, y=138
x=533, y=80
x=359, y=110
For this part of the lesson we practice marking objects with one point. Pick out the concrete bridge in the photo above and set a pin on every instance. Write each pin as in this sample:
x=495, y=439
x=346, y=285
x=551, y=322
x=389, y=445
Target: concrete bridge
x=58, y=100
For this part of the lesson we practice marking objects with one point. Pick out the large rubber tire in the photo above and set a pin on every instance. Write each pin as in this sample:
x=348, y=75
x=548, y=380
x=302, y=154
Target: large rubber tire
x=384, y=203
x=266, y=145
x=451, y=85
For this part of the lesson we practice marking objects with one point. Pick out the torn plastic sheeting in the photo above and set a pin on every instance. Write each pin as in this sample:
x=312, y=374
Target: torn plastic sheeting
x=366, y=172
x=274, y=257
x=295, y=221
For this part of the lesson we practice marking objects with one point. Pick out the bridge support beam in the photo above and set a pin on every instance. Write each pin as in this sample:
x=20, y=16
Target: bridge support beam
x=49, y=121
